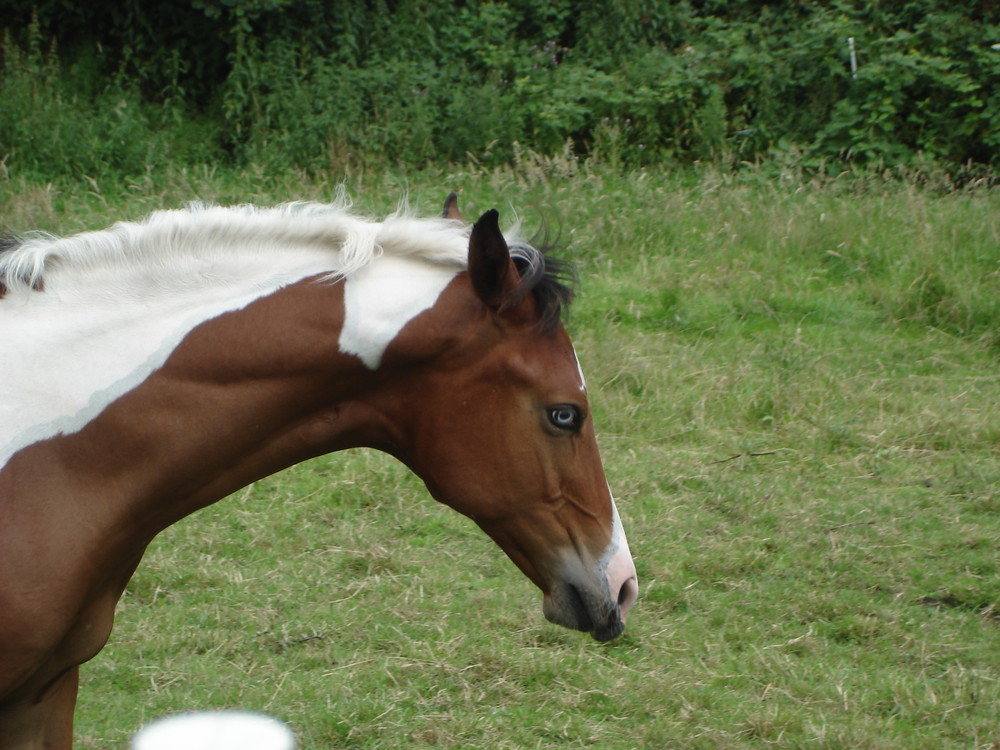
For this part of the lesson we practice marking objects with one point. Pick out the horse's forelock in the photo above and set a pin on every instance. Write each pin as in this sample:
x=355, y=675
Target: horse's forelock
x=551, y=281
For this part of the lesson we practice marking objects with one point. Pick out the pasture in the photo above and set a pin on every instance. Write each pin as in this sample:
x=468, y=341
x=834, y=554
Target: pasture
x=796, y=387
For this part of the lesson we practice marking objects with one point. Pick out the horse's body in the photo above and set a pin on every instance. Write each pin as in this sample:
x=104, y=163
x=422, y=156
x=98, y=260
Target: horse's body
x=154, y=368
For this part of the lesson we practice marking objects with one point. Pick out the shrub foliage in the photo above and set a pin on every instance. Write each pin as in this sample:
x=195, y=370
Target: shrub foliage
x=92, y=87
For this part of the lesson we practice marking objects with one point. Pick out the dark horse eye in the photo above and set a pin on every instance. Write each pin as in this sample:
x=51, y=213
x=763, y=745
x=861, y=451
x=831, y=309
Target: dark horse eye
x=565, y=417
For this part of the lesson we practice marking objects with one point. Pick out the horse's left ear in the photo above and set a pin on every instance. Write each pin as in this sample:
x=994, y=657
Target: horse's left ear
x=490, y=268
x=451, y=209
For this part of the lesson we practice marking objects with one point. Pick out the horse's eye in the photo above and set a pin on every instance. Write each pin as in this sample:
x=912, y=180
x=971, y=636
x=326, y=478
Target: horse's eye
x=565, y=417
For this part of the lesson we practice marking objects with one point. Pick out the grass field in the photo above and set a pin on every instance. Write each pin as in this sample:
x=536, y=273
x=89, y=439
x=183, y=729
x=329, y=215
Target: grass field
x=797, y=392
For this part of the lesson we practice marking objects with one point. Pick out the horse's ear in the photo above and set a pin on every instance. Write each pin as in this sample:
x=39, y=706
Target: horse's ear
x=490, y=269
x=451, y=208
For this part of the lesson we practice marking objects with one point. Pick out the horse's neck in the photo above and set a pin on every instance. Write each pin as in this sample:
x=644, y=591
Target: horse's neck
x=239, y=398
x=304, y=371
x=229, y=390
x=70, y=351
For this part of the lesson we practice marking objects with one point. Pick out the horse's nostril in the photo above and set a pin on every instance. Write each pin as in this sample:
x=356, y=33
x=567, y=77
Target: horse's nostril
x=627, y=595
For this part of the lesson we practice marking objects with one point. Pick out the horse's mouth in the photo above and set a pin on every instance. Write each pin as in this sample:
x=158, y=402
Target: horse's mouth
x=608, y=629
x=576, y=615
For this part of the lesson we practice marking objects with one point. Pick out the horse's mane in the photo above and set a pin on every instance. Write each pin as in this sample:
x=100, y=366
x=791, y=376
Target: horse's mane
x=246, y=230
x=549, y=279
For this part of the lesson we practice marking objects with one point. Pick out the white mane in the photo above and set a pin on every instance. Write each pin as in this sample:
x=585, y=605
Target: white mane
x=88, y=318
x=161, y=247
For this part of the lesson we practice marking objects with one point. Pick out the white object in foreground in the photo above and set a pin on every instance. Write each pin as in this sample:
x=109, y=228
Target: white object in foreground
x=215, y=730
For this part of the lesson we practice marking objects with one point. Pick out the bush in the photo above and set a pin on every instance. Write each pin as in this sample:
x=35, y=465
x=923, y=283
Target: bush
x=54, y=123
x=295, y=82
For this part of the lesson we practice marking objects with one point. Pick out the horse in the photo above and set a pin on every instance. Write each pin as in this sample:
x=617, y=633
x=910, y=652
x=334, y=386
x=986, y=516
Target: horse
x=157, y=366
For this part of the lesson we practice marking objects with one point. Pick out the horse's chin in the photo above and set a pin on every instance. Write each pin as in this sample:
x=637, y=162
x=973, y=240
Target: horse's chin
x=610, y=630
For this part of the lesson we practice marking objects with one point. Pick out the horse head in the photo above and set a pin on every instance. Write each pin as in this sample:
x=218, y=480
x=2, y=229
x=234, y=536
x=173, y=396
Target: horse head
x=499, y=428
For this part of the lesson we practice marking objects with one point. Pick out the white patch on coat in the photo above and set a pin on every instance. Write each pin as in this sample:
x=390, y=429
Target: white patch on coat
x=381, y=298
x=88, y=318
x=69, y=354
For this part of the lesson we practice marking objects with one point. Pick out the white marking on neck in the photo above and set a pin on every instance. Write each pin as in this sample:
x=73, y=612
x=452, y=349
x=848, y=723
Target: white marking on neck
x=381, y=298
x=116, y=303
x=70, y=352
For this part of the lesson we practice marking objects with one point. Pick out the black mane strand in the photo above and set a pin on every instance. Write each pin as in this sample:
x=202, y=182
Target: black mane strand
x=550, y=280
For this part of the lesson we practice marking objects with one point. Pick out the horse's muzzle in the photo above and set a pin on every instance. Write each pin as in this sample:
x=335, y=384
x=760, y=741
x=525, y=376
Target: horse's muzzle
x=579, y=608
x=610, y=630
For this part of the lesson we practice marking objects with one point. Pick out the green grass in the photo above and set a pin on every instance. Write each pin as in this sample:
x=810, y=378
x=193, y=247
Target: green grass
x=797, y=390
